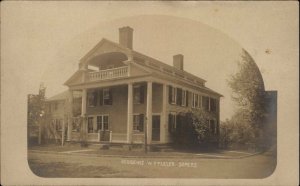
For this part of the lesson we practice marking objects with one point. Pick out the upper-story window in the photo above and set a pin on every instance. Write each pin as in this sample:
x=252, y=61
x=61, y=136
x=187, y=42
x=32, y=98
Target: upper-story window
x=179, y=96
x=213, y=104
x=195, y=101
x=184, y=99
x=107, y=97
x=172, y=95
x=138, y=94
x=92, y=98
x=205, y=103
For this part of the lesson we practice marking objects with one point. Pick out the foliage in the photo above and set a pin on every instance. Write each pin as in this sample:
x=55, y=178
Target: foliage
x=36, y=107
x=248, y=91
x=245, y=126
x=233, y=133
x=192, y=129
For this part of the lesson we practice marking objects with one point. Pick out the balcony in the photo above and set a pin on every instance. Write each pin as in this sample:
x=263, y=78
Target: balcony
x=108, y=74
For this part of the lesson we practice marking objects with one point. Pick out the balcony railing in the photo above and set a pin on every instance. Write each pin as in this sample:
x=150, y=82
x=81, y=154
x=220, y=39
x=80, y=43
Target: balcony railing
x=108, y=74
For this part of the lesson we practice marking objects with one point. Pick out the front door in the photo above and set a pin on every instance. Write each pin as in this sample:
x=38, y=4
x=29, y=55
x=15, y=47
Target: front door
x=155, y=128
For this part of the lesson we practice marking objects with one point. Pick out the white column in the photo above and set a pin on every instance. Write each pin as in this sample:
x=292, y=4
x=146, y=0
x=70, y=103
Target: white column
x=70, y=118
x=129, y=113
x=164, y=115
x=149, y=112
x=83, y=113
x=83, y=103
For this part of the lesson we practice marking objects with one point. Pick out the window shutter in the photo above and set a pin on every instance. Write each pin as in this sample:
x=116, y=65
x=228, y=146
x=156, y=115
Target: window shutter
x=95, y=95
x=179, y=96
x=142, y=94
x=170, y=94
x=101, y=97
x=141, y=124
x=170, y=123
x=187, y=98
x=110, y=97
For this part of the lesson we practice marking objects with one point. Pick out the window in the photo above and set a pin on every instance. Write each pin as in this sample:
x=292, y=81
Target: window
x=199, y=101
x=195, y=100
x=184, y=98
x=102, y=122
x=212, y=126
x=55, y=106
x=138, y=94
x=57, y=124
x=205, y=103
x=213, y=105
x=172, y=122
x=92, y=98
x=179, y=96
x=172, y=95
x=90, y=124
x=107, y=97
x=138, y=122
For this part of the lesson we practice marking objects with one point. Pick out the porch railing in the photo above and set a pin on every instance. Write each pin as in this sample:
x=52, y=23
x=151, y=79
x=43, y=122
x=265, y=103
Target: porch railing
x=108, y=74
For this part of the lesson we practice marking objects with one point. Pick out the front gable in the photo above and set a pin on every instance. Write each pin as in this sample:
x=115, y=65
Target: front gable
x=103, y=47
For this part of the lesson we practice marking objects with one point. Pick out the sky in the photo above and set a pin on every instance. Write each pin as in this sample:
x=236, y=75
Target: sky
x=46, y=40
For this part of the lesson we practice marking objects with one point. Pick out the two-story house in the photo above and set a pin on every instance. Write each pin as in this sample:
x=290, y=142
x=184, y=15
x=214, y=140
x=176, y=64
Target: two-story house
x=126, y=94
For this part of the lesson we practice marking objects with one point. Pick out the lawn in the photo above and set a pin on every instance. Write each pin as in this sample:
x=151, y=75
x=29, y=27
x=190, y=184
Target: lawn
x=77, y=165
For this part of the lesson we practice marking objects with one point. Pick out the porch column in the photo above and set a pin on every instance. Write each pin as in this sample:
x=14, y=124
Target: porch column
x=83, y=112
x=70, y=118
x=129, y=113
x=164, y=115
x=83, y=103
x=149, y=112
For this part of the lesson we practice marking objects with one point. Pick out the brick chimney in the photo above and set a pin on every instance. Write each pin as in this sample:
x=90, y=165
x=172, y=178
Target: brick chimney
x=178, y=61
x=126, y=36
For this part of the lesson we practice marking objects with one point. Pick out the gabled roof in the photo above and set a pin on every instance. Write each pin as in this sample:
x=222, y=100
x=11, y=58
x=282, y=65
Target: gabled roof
x=148, y=63
x=98, y=45
x=59, y=97
x=138, y=54
x=63, y=96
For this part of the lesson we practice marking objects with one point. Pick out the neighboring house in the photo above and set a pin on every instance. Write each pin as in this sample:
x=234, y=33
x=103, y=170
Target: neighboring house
x=125, y=93
x=56, y=109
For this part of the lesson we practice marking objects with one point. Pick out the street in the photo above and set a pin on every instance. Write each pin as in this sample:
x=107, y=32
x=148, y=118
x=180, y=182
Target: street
x=78, y=165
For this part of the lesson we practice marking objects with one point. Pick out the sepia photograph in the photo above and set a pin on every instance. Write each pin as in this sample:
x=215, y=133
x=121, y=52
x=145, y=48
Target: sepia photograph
x=147, y=92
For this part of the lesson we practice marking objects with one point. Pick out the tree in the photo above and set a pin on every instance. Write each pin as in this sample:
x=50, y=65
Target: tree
x=35, y=113
x=248, y=91
x=249, y=95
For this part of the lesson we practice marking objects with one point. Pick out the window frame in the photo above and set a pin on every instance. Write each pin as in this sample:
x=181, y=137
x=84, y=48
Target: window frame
x=108, y=90
x=172, y=125
x=195, y=99
x=173, y=95
x=88, y=124
x=101, y=124
x=183, y=97
x=140, y=90
x=136, y=124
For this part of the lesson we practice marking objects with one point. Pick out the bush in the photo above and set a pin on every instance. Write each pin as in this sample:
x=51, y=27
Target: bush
x=192, y=130
x=238, y=135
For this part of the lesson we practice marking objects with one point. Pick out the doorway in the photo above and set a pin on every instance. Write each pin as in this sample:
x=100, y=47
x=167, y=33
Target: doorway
x=156, y=128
